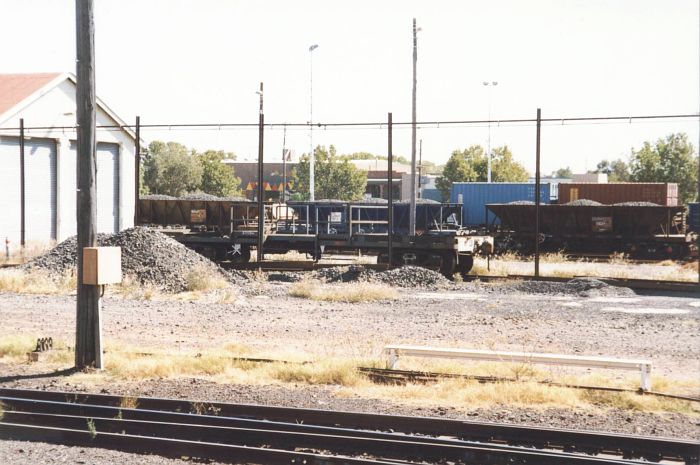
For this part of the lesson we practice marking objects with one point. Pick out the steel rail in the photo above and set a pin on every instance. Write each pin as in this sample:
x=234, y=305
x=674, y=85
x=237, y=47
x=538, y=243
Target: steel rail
x=651, y=448
x=408, y=448
x=175, y=448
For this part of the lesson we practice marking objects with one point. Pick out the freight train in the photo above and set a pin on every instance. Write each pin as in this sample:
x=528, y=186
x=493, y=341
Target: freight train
x=227, y=231
x=641, y=220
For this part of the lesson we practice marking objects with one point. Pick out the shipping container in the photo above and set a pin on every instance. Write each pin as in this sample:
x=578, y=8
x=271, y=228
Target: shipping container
x=694, y=217
x=475, y=195
x=665, y=194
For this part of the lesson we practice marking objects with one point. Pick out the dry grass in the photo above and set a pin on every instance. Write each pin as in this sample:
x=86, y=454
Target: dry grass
x=557, y=265
x=31, y=249
x=36, y=282
x=204, y=279
x=16, y=346
x=359, y=292
x=221, y=365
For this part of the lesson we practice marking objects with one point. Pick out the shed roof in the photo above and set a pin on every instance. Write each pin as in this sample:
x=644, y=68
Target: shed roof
x=14, y=88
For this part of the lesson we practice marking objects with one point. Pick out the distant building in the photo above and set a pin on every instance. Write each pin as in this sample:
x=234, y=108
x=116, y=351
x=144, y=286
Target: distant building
x=590, y=177
x=48, y=100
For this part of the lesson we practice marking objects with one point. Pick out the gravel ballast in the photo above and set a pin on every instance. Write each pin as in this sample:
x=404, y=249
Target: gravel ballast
x=148, y=256
x=405, y=276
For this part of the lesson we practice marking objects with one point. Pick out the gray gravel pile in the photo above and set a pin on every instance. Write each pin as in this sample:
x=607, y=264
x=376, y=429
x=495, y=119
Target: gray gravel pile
x=199, y=196
x=582, y=287
x=147, y=255
x=405, y=276
x=521, y=202
x=636, y=204
x=583, y=203
x=157, y=197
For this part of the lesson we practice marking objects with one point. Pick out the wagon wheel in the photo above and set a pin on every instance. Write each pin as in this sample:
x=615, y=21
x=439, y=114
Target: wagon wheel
x=447, y=265
x=466, y=262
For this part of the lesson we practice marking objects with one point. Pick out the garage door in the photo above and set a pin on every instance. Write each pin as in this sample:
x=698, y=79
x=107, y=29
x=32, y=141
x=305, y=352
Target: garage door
x=9, y=192
x=68, y=193
x=107, y=188
x=40, y=189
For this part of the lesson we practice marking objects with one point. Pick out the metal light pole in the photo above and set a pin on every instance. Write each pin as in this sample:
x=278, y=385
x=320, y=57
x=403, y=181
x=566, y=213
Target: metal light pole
x=490, y=86
x=412, y=212
x=261, y=179
x=312, y=155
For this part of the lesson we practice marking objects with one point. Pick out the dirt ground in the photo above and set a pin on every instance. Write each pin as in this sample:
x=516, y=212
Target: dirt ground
x=663, y=328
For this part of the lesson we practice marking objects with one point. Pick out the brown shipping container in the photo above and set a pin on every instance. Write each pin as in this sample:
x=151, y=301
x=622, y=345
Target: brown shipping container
x=617, y=192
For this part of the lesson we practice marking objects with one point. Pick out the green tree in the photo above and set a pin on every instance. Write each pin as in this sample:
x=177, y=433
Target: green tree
x=563, y=173
x=217, y=178
x=171, y=169
x=504, y=168
x=617, y=170
x=471, y=165
x=335, y=177
x=672, y=159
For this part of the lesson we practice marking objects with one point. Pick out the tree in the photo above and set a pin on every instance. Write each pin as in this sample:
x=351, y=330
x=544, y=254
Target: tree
x=217, y=178
x=170, y=169
x=335, y=178
x=617, y=170
x=504, y=168
x=565, y=173
x=672, y=159
x=471, y=165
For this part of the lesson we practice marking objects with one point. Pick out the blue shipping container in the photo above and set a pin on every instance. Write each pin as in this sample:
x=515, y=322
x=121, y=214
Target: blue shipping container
x=694, y=217
x=475, y=196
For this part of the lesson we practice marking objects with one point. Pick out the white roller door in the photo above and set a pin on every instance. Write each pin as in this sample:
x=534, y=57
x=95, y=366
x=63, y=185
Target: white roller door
x=68, y=194
x=40, y=189
x=9, y=192
x=107, y=188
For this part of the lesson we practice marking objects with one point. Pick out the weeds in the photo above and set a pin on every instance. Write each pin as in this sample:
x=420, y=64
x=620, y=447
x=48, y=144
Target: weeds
x=204, y=279
x=91, y=428
x=343, y=293
x=37, y=282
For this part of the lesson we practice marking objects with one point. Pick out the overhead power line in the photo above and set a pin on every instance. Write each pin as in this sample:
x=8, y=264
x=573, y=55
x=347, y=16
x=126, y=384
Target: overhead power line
x=379, y=125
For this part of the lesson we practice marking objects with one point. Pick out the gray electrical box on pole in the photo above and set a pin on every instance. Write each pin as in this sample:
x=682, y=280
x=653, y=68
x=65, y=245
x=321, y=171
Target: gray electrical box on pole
x=88, y=331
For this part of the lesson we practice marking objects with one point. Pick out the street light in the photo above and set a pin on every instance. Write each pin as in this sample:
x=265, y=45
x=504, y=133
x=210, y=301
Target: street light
x=490, y=85
x=312, y=155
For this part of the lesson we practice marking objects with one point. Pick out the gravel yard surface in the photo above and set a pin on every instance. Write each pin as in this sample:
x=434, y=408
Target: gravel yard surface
x=580, y=317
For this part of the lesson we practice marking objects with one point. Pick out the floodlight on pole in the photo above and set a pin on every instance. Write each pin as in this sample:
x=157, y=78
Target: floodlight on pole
x=312, y=155
x=490, y=85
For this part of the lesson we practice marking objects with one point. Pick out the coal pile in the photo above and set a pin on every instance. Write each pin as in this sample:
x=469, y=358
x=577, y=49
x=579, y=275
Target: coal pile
x=583, y=203
x=579, y=287
x=148, y=256
x=157, y=197
x=636, y=204
x=405, y=276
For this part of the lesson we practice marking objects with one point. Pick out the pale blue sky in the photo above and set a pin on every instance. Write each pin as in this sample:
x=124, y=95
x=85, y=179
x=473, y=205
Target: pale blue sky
x=201, y=61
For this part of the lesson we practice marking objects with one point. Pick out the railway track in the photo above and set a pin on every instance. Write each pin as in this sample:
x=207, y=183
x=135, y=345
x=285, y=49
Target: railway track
x=238, y=432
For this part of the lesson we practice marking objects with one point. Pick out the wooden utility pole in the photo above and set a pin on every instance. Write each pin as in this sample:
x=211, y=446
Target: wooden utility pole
x=412, y=212
x=261, y=179
x=537, y=194
x=88, y=331
x=390, y=196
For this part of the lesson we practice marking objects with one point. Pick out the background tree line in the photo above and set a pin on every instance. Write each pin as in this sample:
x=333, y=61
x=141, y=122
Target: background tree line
x=671, y=159
x=170, y=168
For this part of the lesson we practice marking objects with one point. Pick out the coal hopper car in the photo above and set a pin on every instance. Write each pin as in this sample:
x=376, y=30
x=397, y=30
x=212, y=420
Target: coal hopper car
x=641, y=231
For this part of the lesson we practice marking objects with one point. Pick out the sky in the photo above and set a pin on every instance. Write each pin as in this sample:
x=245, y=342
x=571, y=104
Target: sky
x=201, y=61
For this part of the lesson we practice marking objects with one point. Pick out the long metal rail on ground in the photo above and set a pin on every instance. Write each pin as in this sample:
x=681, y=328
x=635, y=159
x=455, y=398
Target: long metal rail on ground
x=240, y=432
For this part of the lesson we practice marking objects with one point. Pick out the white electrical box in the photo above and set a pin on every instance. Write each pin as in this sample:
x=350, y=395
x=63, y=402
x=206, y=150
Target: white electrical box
x=102, y=265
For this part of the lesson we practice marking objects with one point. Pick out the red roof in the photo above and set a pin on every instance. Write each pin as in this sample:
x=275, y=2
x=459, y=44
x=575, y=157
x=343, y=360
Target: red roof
x=16, y=87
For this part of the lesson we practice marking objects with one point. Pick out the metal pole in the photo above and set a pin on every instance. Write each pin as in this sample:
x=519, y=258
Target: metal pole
x=488, y=155
x=420, y=167
x=537, y=195
x=261, y=192
x=284, y=166
x=88, y=334
x=312, y=154
x=137, y=171
x=22, y=196
x=412, y=213
x=390, y=176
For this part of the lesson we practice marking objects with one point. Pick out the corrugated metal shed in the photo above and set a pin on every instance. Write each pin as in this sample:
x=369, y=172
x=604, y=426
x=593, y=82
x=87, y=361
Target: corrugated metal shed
x=475, y=196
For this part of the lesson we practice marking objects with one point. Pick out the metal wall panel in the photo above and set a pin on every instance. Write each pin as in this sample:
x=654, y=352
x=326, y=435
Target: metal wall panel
x=40, y=189
x=68, y=193
x=475, y=196
x=9, y=192
x=107, y=188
